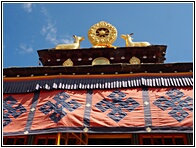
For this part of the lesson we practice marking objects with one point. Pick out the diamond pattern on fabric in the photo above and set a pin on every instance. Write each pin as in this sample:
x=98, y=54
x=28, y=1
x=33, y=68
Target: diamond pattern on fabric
x=175, y=103
x=9, y=110
x=178, y=114
x=115, y=102
x=56, y=110
x=116, y=95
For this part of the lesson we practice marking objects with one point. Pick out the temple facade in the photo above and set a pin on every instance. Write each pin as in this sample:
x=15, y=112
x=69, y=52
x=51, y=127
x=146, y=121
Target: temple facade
x=102, y=95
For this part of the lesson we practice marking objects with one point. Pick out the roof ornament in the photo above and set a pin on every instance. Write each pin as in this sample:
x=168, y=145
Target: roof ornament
x=129, y=43
x=100, y=61
x=75, y=45
x=102, y=35
x=68, y=62
x=134, y=60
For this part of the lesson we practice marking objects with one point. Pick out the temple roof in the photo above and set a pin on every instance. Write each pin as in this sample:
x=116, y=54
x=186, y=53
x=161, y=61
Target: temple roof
x=29, y=79
x=85, y=56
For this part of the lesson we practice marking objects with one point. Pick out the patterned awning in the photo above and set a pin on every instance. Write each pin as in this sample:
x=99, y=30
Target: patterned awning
x=128, y=110
x=75, y=82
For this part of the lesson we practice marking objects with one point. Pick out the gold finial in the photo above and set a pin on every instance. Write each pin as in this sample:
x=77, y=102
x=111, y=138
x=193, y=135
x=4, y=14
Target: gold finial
x=100, y=61
x=134, y=60
x=68, y=62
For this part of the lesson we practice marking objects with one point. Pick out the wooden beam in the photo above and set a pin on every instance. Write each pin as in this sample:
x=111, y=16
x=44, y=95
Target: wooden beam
x=109, y=136
x=79, y=138
x=58, y=138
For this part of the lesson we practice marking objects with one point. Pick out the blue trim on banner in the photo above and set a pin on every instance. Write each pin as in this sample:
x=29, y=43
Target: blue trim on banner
x=147, y=110
x=32, y=111
x=88, y=107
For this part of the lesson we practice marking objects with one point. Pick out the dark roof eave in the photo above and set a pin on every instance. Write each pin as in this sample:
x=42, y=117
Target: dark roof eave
x=121, y=68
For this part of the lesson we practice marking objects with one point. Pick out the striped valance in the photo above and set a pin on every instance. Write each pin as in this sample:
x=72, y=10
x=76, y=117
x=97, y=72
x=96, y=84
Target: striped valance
x=90, y=82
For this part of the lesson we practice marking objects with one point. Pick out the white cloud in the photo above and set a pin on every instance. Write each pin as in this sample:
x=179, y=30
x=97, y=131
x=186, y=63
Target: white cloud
x=25, y=49
x=68, y=40
x=45, y=12
x=27, y=7
x=50, y=31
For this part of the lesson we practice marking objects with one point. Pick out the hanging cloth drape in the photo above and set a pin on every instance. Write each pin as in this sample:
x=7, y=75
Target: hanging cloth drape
x=130, y=110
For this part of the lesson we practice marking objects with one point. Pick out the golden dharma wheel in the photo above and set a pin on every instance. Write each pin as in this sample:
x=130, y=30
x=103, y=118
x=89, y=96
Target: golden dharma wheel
x=102, y=34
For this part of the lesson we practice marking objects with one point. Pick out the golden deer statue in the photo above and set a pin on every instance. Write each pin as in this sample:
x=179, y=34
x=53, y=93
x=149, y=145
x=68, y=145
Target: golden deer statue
x=75, y=45
x=129, y=43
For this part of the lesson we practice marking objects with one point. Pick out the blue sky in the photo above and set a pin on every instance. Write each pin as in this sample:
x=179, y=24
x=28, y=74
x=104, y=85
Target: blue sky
x=28, y=27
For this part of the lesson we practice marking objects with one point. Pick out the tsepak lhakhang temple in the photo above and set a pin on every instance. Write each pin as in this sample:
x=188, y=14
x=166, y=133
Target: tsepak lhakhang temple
x=101, y=95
